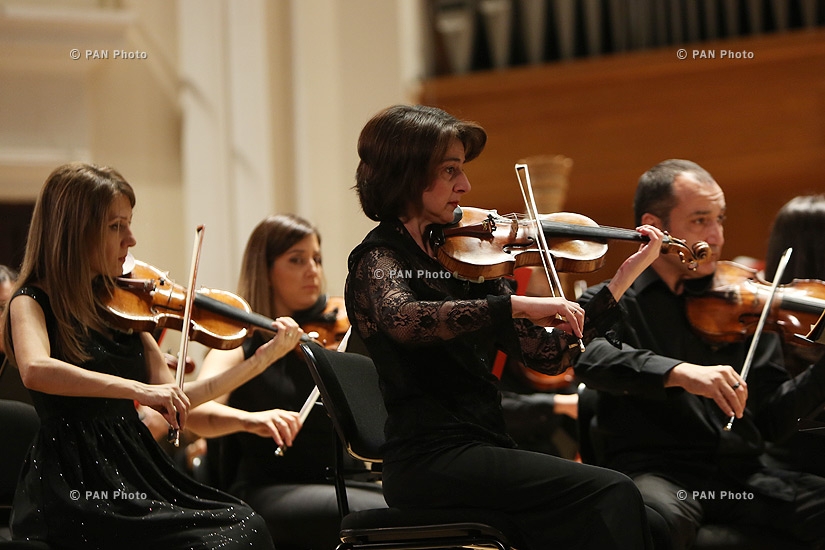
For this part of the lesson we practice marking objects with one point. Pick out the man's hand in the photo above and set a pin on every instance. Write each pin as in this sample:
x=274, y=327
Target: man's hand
x=718, y=382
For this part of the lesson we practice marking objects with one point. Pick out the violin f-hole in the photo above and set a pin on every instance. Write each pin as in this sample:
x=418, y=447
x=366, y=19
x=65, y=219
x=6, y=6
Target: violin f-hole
x=526, y=245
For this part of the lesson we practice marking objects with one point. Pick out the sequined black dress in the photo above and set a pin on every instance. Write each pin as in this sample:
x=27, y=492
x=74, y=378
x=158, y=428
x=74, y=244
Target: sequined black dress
x=95, y=478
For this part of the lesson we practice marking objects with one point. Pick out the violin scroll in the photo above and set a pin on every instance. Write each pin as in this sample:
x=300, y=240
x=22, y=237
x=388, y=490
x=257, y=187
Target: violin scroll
x=694, y=255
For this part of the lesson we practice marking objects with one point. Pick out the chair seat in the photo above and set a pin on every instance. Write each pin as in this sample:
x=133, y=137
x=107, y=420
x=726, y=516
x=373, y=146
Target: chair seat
x=350, y=390
x=430, y=528
x=727, y=537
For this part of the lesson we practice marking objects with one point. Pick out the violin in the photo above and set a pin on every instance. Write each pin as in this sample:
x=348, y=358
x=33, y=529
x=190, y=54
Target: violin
x=817, y=333
x=481, y=244
x=536, y=380
x=545, y=382
x=146, y=300
x=329, y=330
x=730, y=310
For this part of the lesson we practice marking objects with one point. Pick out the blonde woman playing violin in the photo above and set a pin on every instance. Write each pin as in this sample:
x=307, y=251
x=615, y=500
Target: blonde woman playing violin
x=94, y=476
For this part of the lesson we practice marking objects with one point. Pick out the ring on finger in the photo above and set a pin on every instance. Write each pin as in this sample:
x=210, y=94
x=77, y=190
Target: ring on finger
x=736, y=386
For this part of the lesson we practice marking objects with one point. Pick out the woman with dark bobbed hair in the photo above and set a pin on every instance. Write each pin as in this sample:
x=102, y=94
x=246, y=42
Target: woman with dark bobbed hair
x=433, y=338
x=799, y=224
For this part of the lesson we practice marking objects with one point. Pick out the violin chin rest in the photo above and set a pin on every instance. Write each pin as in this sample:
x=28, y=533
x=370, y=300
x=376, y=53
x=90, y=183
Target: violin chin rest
x=458, y=213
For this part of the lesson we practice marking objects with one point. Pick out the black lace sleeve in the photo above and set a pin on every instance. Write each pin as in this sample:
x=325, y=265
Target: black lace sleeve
x=380, y=288
x=384, y=302
x=551, y=351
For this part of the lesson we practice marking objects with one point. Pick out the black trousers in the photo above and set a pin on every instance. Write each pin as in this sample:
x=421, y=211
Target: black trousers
x=555, y=503
x=796, y=509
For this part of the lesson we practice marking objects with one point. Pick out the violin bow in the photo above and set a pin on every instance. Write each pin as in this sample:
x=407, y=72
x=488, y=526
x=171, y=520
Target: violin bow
x=306, y=408
x=544, y=250
x=180, y=370
x=780, y=269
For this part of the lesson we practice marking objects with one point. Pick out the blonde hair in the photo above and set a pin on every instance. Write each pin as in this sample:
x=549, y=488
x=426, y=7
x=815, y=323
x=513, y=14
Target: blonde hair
x=67, y=227
x=270, y=238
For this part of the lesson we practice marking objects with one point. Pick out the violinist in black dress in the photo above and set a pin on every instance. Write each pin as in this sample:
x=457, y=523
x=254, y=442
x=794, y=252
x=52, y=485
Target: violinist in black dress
x=433, y=338
x=282, y=275
x=95, y=477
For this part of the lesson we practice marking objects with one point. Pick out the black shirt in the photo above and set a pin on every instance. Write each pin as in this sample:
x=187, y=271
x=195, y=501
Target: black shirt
x=645, y=427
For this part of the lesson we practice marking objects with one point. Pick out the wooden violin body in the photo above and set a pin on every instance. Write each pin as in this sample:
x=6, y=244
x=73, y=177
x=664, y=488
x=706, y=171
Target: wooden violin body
x=146, y=300
x=545, y=382
x=330, y=330
x=481, y=244
x=730, y=310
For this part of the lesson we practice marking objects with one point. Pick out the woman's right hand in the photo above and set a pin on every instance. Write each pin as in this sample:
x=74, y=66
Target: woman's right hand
x=280, y=425
x=168, y=399
x=546, y=312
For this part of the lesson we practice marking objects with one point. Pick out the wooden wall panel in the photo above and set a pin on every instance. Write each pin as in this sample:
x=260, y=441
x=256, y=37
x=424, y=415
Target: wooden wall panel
x=758, y=125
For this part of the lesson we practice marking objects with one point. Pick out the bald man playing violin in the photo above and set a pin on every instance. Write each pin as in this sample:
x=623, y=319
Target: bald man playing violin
x=666, y=395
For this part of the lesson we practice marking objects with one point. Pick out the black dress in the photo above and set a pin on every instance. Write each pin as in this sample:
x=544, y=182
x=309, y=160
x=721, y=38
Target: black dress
x=95, y=478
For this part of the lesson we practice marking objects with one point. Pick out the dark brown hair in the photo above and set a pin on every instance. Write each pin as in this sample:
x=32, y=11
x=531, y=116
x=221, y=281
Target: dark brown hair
x=799, y=224
x=269, y=240
x=400, y=148
x=654, y=193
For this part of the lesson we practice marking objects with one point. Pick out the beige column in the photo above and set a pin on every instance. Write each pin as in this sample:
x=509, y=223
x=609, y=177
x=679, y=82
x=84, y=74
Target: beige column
x=226, y=135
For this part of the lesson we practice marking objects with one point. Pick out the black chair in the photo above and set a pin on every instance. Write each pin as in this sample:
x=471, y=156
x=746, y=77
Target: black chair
x=348, y=383
x=709, y=536
x=18, y=425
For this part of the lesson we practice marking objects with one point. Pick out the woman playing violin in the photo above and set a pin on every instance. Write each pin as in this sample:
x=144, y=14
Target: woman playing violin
x=799, y=225
x=282, y=275
x=94, y=476
x=433, y=338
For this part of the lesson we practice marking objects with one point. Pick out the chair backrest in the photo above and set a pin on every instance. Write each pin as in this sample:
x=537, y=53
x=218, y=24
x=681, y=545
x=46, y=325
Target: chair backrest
x=588, y=401
x=348, y=383
x=18, y=426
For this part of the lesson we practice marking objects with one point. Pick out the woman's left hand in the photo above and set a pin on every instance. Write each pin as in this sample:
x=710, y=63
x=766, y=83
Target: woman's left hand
x=637, y=262
x=284, y=341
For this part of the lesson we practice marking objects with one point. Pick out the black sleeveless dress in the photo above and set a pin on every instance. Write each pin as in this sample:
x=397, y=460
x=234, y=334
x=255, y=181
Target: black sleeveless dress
x=95, y=478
